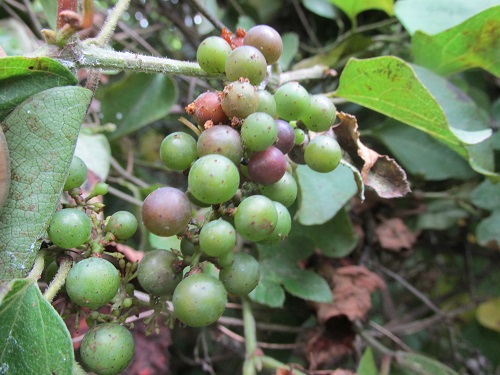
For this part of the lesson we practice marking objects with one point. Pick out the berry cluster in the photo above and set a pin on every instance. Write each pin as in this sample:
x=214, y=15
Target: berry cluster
x=240, y=167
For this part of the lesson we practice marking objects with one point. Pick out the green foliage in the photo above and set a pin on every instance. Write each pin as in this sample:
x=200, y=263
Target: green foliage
x=137, y=101
x=353, y=7
x=21, y=306
x=51, y=117
x=473, y=43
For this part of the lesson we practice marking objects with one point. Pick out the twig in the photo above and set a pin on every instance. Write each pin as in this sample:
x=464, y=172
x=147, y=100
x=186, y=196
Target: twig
x=213, y=20
x=390, y=335
x=128, y=198
x=305, y=23
x=126, y=174
x=110, y=24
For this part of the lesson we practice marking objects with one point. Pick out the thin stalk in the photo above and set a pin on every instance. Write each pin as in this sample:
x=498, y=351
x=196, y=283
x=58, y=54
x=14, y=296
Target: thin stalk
x=36, y=271
x=271, y=363
x=110, y=24
x=59, y=280
x=250, y=331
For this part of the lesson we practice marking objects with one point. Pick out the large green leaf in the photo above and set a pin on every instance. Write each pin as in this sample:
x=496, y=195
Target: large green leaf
x=434, y=16
x=322, y=195
x=420, y=154
x=487, y=230
x=136, y=101
x=473, y=43
x=279, y=266
x=41, y=133
x=353, y=7
x=50, y=10
x=22, y=77
x=486, y=195
x=33, y=337
x=420, y=98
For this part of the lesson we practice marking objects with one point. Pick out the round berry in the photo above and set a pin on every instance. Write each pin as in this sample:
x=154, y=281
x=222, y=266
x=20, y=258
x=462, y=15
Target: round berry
x=283, y=191
x=69, y=228
x=256, y=218
x=239, y=99
x=222, y=140
x=208, y=107
x=178, y=151
x=286, y=136
x=158, y=274
x=266, y=40
x=292, y=101
x=107, y=349
x=122, y=225
x=283, y=226
x=246, y=62
x=320, y=115
x=213, y=179
x=92, y=282
x=217, y=238
x=242, y=276
x=258, y=131
x=77, y=173
x=166, y=211
x=268, y=166
x=199, y=300
x=322, y=154
x=212, y=54
x=267, y=103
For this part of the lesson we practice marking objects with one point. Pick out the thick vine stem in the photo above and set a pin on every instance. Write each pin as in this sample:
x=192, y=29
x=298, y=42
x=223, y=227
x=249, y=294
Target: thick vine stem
x=250, y=337
x=36, y=271
x=59, y=279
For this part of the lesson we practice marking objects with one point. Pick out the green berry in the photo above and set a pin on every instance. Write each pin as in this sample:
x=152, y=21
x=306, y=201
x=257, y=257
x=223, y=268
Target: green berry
x=242, y=276
x=122, y=225
x=212, y=54
x=77, y=173
x=178, y=151
x=69, y=228
x=256, y=218
x=322, y=154
x=217, y=238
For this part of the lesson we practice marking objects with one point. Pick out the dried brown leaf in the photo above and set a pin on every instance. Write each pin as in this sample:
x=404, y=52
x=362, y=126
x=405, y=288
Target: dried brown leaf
x=352, y=287
x=379, y=172
x=394, y=235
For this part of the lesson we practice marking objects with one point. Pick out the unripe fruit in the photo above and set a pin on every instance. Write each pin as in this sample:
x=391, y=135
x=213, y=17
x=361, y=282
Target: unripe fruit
x=267, y=167
x=107, y=349
x=157, y=274
x=92, y=282
x=292, y=101
x=246, y=62
x=258, y=131
x=283, y=191
x=323, y=154
x=77, y=173
x=178, y=151
x=122, y=225
x=207, y=107
x=242, y=276
x=217, y=238
x=199, y=300
x=320, y=115
x=69, y=228
x=212, y=54
x=256, y=218
x=222, y=140
x=239, y=99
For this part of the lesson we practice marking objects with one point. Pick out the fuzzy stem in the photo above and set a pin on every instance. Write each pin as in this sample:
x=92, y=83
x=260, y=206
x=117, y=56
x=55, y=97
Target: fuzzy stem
x=110, y=24
x=271, y=363
x=36, y=271
x=59, y=280
x=100, y=58
x=250, y=364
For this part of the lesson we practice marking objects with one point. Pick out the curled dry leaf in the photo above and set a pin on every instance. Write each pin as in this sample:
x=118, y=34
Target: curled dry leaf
x=379, y=172
x=352, y=287
x=394, y=235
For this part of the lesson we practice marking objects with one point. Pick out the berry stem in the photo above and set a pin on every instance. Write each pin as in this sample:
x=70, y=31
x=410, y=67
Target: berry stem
x=250, y=331
x=59, y=279
x=271, y=363
x=36, y=271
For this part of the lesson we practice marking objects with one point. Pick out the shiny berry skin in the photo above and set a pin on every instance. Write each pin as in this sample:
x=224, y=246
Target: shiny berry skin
x=283, y=226
x=222, y=140
x=255, y=218
x=92, y=282
x=266, y=40
x=217, y=238
x=166, y=211
x=286, y=136
x=283, y=191
x=292, y=101
x=239, y=99
x=199, y=300
x=157, y=272
x=178, y=151
x=242, y=276
x=207, y=107
x=267, y=167
x=69, y=228
x=77, y=173
x=212, y=54
x=320, y=115
x=258, y=131
x=122, y=224
x=322, y=154
x=107, y=349
x=246, y=62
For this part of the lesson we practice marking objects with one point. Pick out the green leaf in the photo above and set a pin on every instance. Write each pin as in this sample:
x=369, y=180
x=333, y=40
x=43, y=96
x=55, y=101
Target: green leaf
x=440, y=215
x=420, y=98
x=367, y=365
x=432, y=16
x=33, y=337
x=335, y=189
x=353, y=7
x=279, y=266
x=22, y=77
x=15, y=38
x=487, y=230
x=41, y=133
x=95, y=151
x=136, y=101
x=268, y=293
x=323, y=8
x=486, y=195
x=424, y=365
x=290, y=49
x=420, y=154
x=488, y=314
x=50, y=10
x=335, y=238
x=473, y=43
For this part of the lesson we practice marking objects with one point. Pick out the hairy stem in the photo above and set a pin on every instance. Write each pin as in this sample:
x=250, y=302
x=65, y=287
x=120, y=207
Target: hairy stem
x=59, y=280
x=109, y=26
x=36, y=271
x=250, y=337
